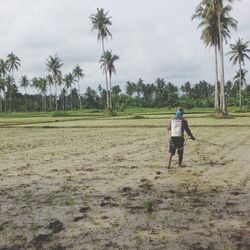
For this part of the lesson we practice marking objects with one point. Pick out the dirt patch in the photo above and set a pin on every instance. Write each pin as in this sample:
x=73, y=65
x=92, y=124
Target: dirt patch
x=107, y=189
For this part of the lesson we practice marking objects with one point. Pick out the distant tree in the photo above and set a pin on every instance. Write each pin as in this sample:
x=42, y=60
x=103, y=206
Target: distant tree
x=13, y=63
x=10, y=86
x=3, y=73
x=50, y=83
x=100, y=22
x=24, y=83
x=78, y=73
x=90, y=98
x=107, y=64
x=130, y=88
x=69, y=81
x=239, y=52
x=54, y=65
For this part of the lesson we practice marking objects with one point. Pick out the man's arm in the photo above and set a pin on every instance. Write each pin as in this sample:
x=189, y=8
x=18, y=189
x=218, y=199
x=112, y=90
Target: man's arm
x=187, y=129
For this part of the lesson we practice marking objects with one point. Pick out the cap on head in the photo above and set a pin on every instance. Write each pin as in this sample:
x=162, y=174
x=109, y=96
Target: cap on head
x=179, y=112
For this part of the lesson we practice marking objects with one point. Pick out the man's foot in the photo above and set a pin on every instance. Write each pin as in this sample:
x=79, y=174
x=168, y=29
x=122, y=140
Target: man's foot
x=168, y=167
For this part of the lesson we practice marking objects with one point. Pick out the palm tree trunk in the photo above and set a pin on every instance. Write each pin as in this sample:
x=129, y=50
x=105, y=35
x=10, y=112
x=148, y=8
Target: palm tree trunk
x=45, y=102
x=106, y=78
x=56, y=94
x=240, y=85
x=1, y=107
x=66, y=104
x=50, y=98
x=5, y=101
x=80, y=101
x=223, y=108
x=71, y=100
x=216, y=90
x=110, y=92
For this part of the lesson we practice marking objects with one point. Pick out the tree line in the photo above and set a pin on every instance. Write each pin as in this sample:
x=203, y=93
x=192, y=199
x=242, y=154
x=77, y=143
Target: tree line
x=215, y=22
x=160, y=93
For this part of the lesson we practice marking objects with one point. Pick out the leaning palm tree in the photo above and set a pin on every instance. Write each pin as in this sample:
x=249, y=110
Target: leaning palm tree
x=78, y=73
x=100, y=22
x=239, y=52
x=3, y=72
x=13, y=63
x=107, y=62
x=54, y=65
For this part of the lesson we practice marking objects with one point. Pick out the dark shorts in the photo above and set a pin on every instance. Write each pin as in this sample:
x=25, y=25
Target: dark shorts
x=176, y=143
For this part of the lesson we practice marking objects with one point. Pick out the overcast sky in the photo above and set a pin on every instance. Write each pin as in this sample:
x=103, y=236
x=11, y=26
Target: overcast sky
x=153, y=38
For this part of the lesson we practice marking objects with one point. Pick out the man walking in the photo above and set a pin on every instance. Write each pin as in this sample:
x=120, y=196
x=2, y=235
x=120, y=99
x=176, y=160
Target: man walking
x=177, y=125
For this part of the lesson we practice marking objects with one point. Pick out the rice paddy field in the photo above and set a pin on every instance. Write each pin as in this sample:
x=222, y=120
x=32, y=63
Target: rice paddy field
x=95, y=182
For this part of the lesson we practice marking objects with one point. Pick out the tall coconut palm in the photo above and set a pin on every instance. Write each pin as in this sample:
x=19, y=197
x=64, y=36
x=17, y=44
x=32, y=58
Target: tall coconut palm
x=78, y=73
x=107, y=63
x=54, y=65
x=13, y=63
x=100, y=22
x=239, y=52
x=218, y=5
x=206, y=12
x=3, y=72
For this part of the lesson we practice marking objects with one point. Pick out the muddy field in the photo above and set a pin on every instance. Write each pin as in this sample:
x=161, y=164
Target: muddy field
x=108, y=187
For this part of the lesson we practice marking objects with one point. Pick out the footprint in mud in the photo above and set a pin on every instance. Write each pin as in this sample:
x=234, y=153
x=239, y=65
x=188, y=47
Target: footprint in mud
x=56, y=226
x=108, y=201
x=79, y=218
x=14, y=247
x=146, y=185
x=41, y=239
x=84, y=211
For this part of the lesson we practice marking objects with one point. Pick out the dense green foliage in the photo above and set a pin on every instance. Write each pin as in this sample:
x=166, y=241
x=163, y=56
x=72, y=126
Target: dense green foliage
x=136, y=94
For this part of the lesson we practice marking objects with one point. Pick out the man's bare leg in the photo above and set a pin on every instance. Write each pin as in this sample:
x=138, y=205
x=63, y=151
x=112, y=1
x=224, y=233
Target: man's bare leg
x=169, y=160
x=180, y=154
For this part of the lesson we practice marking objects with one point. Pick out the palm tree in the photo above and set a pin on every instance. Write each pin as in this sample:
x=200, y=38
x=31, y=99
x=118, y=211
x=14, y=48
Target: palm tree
x=239, y=52
x=54, y=65
x=13, y=63
x=69, y=80
x=107, y=63
x=3, y=72
x=50, y=82
x=9, y=83
x=207, y=13
x=218, y=6
x=24, y=83
x=100, y=22
x=78, y=73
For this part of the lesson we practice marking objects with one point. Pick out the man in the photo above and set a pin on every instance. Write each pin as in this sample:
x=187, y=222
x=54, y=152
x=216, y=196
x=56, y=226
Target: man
x=177, y=125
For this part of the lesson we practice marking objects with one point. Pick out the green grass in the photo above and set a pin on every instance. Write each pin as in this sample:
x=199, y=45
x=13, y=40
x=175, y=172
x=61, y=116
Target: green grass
x=99, y=117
